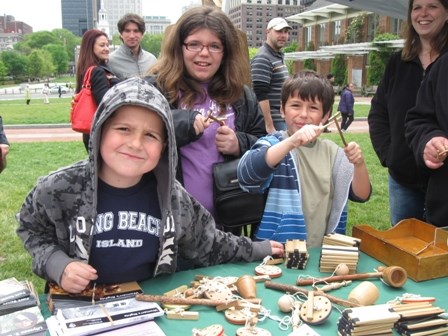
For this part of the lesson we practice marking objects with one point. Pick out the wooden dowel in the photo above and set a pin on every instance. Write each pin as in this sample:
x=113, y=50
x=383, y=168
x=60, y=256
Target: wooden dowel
x=335, y=116
x=335, y=278
x=394, y=276
x=330, y=121
x=310, y=307
x=182, y=301
x=340, y=132
x=293, y=289
x=210, y=116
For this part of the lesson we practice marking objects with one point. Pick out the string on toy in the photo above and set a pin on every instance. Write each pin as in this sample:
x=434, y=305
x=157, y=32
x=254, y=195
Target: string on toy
x=315, y=280
x=283, y=323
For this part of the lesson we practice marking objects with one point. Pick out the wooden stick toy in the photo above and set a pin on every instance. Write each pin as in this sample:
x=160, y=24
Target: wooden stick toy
x=340, y=132
x=394, y=276
x=183, y=301
x=220, y=121
x=330, y=121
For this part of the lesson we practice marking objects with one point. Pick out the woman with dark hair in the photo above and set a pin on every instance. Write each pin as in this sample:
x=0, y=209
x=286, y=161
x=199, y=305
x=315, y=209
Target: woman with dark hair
x=94, y=51
x=200, y=70
x=425, y=41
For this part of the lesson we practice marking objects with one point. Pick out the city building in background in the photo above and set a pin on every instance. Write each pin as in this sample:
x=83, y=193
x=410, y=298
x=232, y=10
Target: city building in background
x=12, y=31
x=252, y=17
x=117, y=8
x=156, y=24
x=78, y=16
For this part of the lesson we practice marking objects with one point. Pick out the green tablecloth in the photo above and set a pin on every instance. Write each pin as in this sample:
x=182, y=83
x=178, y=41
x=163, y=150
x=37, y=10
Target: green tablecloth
x=209, y=315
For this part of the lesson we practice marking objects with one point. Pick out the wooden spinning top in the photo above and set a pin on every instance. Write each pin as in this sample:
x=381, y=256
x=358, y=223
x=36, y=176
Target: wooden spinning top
x=219, y=292
x=246, y=286
x=270, y=270
x=237, y=316
x=316, y=309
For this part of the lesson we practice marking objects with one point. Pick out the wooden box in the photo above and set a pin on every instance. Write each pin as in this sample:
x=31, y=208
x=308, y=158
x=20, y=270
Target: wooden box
x=420, y=248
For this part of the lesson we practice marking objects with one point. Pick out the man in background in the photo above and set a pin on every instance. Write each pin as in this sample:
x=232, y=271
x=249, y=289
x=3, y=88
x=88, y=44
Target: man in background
x=269, y=71
x=130, y=60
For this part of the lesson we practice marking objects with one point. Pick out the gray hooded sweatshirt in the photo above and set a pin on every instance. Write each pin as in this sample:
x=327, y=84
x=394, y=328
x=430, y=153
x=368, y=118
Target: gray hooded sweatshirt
x=57, y=219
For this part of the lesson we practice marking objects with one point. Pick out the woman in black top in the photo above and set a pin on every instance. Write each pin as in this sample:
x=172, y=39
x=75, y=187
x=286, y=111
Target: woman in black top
x=94, y=51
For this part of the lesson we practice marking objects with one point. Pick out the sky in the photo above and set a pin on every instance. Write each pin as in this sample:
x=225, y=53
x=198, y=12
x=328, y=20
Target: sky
x=46, y=14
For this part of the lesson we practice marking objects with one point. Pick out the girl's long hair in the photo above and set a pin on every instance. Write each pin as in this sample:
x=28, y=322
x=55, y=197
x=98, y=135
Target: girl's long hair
x=227, y=85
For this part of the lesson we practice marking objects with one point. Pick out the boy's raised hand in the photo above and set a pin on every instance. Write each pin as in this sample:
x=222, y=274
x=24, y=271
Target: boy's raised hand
x=305, y=135
x=354, y=153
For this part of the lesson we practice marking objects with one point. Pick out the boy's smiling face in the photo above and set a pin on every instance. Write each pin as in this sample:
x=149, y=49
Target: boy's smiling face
x=298, y=113
x=132, y=141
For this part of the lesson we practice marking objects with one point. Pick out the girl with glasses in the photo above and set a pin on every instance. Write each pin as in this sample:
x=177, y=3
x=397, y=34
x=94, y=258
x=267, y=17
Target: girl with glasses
x=202, y=69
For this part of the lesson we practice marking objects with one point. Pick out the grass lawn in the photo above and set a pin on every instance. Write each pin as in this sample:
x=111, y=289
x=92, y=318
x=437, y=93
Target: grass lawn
x=26, y=162
x=16, y=112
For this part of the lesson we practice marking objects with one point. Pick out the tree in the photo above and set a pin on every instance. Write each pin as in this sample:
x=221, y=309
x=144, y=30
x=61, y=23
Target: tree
x=16, y=63
x=3, y=71
x=353, y=34
x=378, y=59
x=292, y=47
x=339, y=69
x=39, y=39
x=59, y=57
x=68, y=40
x=48, y=66
x=309, y=63
x=35, y=65
x=252, y=52
x=152, y=43
x=116, y=41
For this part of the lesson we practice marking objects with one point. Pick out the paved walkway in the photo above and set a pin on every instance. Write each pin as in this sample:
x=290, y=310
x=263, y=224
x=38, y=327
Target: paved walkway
x=33, y=134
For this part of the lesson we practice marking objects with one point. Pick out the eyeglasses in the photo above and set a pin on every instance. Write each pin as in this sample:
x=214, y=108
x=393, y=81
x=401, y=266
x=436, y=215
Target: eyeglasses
x=198, y=47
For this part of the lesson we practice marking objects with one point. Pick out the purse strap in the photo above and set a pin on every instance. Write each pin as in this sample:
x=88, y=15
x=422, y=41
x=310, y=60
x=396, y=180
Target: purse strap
x=86, y=81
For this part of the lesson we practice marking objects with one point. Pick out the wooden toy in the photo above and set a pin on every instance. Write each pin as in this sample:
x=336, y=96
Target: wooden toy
x=394, y=276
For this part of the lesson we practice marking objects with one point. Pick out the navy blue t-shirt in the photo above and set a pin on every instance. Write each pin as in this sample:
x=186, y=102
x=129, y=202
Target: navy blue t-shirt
x=126, y=237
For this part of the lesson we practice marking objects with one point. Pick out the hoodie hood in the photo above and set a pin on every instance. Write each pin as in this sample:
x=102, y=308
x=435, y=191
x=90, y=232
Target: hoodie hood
x=136, y=91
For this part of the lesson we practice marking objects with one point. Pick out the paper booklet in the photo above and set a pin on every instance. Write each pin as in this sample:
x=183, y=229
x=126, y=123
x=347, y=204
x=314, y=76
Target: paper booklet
x=88, y=320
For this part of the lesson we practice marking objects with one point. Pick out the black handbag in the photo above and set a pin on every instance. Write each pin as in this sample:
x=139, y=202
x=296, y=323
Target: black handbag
x=234, y=207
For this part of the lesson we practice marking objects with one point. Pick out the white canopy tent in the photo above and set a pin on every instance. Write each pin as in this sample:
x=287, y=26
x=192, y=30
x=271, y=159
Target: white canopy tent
x=393, y=8
x=328, y=52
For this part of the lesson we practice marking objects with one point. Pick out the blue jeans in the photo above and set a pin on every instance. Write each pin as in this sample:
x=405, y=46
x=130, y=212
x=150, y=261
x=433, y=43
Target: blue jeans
x=405, y=203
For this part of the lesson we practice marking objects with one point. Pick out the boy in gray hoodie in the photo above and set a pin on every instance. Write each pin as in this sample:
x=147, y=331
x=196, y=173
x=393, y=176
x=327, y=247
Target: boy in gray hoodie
x=120, y=215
